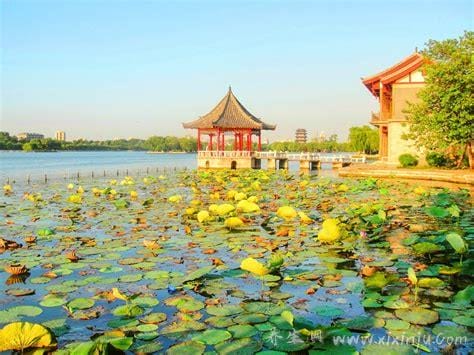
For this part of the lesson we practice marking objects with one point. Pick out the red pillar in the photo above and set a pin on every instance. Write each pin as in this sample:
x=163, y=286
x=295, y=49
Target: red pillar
x=219, y=139
x=235, y=141
x=241, y=141
x=199, y=139
x=260, y=141
x=210, y=140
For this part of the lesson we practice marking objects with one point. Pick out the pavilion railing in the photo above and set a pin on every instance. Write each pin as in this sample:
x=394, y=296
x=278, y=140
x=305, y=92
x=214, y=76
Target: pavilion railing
x=224, y=154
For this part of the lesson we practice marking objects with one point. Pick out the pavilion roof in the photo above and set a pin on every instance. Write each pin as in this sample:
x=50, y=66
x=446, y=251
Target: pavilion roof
x=395, y=72
x=229, y=113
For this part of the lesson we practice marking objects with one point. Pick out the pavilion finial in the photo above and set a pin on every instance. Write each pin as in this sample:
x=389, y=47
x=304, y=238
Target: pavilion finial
x=230, y=88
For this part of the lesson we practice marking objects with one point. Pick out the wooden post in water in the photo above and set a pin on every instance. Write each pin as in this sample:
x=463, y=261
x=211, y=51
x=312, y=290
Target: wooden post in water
x=117, y=172
x=78, y=176
x=104, y=173
x=92, y=174
x=45, y=178
x=28, y=180
x=126, y=172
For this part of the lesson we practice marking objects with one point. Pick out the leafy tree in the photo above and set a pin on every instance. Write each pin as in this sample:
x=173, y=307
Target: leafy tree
x=444, y=116
x=364, y=139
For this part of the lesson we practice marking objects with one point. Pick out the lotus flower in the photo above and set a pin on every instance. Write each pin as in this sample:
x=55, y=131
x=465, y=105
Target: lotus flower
x=75, y=198
x=247, y=207
x=330, y=231
x=7, y=189
x=222, y=209
x=203, y=216
x=287, y=213
x=133, y=194
x=175, y=198
x=70, y=186
x=342, y=188
x=304, y=218
x=253, y=266
x=233, y=222
x=239, y=196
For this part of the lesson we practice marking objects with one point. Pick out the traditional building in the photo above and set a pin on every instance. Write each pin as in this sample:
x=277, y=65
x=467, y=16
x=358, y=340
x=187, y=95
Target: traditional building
x=229, y=119
x=394, y=88
x=301, y=136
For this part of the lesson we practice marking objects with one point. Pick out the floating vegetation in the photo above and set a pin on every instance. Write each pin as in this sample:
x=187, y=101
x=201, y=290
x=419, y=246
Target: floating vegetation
x=235, y=263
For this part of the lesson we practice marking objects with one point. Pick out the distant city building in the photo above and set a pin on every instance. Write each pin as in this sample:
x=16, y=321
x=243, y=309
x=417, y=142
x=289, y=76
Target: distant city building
x=61, y=136
x=28, y=136
x=301, y=135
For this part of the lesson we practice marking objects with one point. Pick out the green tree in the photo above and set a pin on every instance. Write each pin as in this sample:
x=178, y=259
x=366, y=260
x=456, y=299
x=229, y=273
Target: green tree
x=444, y=116
x=364, y=139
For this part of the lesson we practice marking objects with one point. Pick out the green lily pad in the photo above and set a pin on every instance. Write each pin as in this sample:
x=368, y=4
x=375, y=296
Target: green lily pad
x=283, y=340
x=213, y=336
x=225, y=310
x=267, y=308
x=189, y=347
x=128, y=310
x=52, y=301
x=417, y=315
x=464, y=320
x=245, y=346
x=396, y=324
x=242, y=331
x=80, y=303
x=389, y=349
x=328, y=311
x=154, y=318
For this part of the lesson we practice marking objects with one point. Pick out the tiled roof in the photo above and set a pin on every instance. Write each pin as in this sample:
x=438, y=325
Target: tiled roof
x=229, y=113
x=395, y=72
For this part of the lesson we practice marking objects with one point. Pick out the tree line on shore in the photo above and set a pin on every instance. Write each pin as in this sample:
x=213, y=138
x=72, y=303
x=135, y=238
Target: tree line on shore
x=361, y=139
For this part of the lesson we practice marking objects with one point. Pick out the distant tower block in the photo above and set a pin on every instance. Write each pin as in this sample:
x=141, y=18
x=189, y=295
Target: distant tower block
x=301, y=135
x=61, y=136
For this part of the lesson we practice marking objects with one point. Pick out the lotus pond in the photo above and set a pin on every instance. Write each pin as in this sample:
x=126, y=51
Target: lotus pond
x=236, y=263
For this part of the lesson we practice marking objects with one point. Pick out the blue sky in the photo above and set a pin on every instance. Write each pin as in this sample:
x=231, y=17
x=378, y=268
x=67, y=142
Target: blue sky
x=105, y=69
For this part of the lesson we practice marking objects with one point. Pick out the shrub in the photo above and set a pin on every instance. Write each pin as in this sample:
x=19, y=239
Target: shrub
x=436, y=159
x=407, y=160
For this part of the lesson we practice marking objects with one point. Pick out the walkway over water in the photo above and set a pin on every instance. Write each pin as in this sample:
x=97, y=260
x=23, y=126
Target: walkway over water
x=277, y=160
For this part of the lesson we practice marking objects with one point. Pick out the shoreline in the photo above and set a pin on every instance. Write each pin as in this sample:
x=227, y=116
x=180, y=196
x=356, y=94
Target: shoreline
x=464, y=177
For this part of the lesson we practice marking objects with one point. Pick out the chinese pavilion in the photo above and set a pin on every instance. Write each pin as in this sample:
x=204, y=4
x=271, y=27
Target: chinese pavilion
x=229, y=118
x=394, y=88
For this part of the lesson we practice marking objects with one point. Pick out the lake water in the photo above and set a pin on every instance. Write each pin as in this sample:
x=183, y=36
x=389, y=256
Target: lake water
x=19, y=165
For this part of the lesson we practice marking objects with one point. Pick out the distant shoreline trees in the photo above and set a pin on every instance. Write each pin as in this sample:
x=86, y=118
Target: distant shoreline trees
x=361, y=139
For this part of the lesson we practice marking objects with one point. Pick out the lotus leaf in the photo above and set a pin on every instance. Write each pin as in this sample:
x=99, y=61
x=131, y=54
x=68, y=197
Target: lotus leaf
x=417, y=315
x=23, y=335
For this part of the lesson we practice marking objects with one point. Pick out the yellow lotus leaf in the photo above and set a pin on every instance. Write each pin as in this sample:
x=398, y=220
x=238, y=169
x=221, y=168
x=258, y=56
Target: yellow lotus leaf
x=195, y=202
x=162, y=177
x=203, y=216
x=231, y=194
x=224, y=209
x=304, y=183
x=70, y=186
x=256, y=186
x=286, y=212
x=419, y=190
x=234, y=179
x=23, y=335
x=112, y=192
x=239, y=196
x=247, y=207
x=113, y=182
x=7, y=188
x=75, y=198
x=175, y=198
x=213, y=208
x=80, y=190
x=96, y=191
x=133, y=194
x=254, y=266
x=330, y=231
x=117, y=294
x=305, y=218
x=146, y=181
x=342, y=188
x=233, y=222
